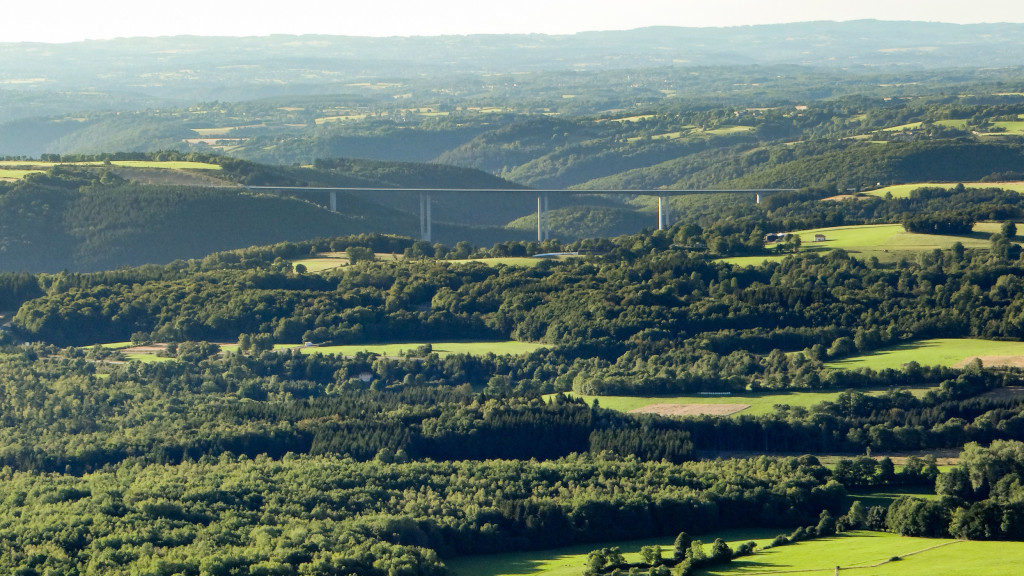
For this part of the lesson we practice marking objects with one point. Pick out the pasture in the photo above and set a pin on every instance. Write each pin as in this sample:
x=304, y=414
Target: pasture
x=758, y=402
x=570, y=560
x=18, y=168
x=510, y=347
x=870, y=553
x=15, y=174
x=904, y=190
x=936, y=351
x=887, y=242
x=859, y=552
x=506, y=261
x=331, y=260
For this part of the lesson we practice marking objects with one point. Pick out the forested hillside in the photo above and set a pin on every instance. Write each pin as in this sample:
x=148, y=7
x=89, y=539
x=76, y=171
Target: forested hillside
x=204, y=371
x=93, y=217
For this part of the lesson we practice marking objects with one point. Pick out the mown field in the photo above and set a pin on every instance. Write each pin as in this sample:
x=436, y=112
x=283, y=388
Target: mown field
x=857, y=552
x=569, y=561
x=760, y=403
x=938, y=351
x=15, y=174
x=511, y=347
x=440, y=348
x=870, y=553
x=324, y=262
x=887, y=242
x=904, y=190
x=34, y=166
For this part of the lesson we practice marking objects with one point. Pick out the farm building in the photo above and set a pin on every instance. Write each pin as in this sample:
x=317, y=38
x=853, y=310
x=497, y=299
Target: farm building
x=819, y=237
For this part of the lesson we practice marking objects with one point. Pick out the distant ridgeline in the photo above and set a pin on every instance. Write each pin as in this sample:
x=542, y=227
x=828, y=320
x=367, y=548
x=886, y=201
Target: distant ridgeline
x=104, y=212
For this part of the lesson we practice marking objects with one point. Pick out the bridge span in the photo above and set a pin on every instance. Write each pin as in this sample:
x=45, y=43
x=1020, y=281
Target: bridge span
x=543, y=229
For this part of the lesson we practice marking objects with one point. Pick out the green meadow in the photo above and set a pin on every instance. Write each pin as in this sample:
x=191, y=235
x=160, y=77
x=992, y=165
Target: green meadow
x=15, y=174
x=570, y=560
x=933, y=352
x=29, y=166
x=904, y=190
x=759, y=402
x=884, y=498
x=871, y=553
x=440, y=348
x=324, y=262
x=858, y=552
x=509, y=347
x=507, y=261
x=887, y=242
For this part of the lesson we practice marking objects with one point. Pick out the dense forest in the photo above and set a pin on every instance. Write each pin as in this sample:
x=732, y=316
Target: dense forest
x=170, y=401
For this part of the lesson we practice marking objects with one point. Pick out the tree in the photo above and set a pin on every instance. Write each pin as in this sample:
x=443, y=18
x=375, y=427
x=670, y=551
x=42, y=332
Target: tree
x=651, y=555
x=358, y=254
x=720, y=551
x=680, y=546
x=1008, y=229
x=697, y=553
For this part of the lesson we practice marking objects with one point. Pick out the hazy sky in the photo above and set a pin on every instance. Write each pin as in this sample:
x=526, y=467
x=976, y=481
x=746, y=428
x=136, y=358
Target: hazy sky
x=71, y=20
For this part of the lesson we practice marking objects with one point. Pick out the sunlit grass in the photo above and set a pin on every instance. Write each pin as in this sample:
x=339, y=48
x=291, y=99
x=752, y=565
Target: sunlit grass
x=933, y=352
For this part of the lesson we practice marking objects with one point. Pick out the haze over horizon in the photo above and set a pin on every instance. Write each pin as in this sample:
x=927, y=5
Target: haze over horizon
x=69, y=21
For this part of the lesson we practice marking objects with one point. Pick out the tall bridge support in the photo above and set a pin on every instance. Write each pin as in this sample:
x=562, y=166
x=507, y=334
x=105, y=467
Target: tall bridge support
x=543, y=231
x=663, y=214
x=425, y=222
x=334, y=201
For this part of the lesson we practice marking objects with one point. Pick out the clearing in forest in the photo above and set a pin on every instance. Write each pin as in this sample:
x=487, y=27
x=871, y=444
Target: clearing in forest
x=690, y=409
x=876, y=554
x=858, y=552
x=904, y=190
x=887, y=242
x=952, y=352
x=757, y=402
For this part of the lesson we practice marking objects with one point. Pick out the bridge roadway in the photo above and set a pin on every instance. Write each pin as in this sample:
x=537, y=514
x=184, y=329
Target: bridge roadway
x=543, y=230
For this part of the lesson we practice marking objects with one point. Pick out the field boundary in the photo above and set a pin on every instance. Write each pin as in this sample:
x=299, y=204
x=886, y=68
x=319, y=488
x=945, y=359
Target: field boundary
x=840, y=569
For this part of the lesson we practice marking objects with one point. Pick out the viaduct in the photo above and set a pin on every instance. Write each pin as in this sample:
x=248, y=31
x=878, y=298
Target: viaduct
x=542, y=199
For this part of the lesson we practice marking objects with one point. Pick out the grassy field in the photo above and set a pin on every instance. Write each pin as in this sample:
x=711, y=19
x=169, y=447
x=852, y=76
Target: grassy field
x=441, y=348
x=887, y=242
x=33, y=166
x=760, y=403
x=876, y=498
x=938, y=351
x=1012, y=127
x=509, y=261
x=338, y=259
x=332, y=260
x=857, y=552
x=569, y=561
x=903, y=190
x=399, y=349
x=868, y=554
x=15, y=174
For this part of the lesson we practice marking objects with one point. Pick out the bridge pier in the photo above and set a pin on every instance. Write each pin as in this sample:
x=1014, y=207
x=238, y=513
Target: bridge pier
x=543, y=232
x=425, y=222
x=334, y=201
x=663, y=213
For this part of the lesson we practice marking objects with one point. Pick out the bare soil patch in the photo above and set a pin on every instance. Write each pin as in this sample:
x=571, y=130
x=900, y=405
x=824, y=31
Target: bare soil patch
x=1009, y=361
x=147, y=349
x=691, y=409
x=1007, y=393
